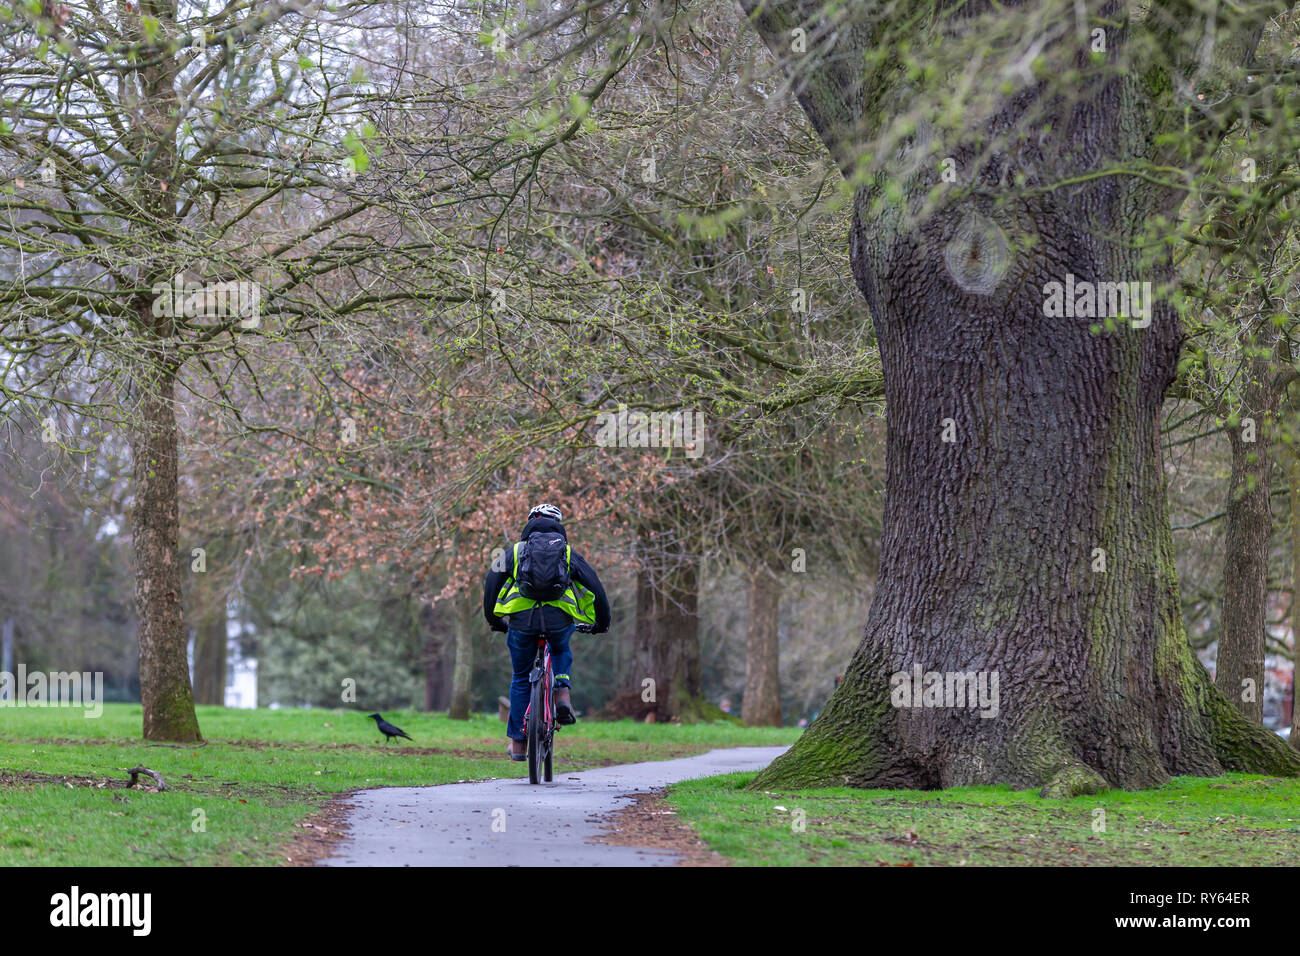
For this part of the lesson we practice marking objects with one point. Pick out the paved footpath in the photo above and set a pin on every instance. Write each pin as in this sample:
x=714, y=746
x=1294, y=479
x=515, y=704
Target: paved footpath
x=545, y=825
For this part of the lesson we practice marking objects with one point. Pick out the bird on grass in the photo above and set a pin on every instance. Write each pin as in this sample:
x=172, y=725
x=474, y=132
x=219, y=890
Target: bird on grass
x=387, y=729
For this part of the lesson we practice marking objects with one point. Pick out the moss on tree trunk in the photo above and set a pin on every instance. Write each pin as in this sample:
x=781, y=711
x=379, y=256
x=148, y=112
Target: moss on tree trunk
x=1025, y=533
x=165, y=692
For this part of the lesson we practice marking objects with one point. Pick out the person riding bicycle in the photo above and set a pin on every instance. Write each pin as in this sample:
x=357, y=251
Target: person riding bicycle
x=563, y=591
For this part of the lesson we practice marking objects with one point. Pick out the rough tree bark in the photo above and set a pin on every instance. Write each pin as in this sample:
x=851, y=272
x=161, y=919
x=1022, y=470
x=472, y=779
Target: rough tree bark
x=1239, y=671
x=165, y=692
x=761, y=706
x=990, y=540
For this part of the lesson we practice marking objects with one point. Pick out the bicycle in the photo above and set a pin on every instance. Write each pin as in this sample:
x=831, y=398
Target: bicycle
x=539, y=718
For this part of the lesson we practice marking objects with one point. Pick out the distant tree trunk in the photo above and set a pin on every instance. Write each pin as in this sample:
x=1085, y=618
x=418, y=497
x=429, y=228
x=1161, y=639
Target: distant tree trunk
x=762, y=703
x=210, y=647
x=434, y=650
x=165, y=692
x=463, y=671
x=667, y=641
x=663, y=677
x=1239, y=673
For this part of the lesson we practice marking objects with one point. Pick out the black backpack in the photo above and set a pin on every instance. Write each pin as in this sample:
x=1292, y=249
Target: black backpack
x=544, y=566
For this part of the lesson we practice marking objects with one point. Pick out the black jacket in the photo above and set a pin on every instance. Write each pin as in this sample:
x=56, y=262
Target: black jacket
x=544, y=617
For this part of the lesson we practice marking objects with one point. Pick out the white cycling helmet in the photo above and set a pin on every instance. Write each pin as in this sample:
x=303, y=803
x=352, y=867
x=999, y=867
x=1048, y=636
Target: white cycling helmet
x=546, y=511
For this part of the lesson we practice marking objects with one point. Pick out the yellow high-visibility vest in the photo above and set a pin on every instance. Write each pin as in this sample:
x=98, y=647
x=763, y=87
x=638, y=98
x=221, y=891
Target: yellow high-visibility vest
x=576, y=601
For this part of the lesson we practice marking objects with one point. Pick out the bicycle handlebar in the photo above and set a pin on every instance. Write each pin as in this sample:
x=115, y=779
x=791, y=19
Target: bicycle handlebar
x=584, y=628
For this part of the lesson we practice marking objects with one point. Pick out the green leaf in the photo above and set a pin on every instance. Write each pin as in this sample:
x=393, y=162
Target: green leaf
x=358, y=159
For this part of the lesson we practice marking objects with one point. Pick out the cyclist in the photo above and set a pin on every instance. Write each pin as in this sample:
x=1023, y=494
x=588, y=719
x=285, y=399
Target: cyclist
x=543, y=564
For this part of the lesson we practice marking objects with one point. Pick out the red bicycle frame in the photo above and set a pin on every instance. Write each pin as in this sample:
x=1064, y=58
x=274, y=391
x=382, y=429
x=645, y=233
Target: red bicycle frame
x=548, y=684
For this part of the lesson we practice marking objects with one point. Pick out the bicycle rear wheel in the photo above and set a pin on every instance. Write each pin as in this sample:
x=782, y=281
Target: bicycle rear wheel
x=536, y=734
x=550, y=751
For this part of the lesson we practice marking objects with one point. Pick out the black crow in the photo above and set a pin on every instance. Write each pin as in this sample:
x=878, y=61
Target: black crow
x=387, y=729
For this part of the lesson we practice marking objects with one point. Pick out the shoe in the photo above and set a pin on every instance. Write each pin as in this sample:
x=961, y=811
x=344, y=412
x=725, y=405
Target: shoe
x=564, y=707
x=517, y=754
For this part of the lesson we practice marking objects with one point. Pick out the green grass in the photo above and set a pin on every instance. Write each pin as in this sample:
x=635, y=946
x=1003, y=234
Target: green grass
x=260, y=772
x=1238, y=819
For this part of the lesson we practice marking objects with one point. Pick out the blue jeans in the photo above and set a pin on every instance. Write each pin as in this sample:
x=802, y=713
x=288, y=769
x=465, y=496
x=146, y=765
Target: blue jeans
x=523, y=648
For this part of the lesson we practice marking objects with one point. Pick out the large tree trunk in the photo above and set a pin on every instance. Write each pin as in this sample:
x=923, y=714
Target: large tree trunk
x=155, y=531
x=1239, y=672
x=165, y=688
x=462, y=674
x=662, y=682
x=1022, y=452
x=761, y=706
x=210, y=647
